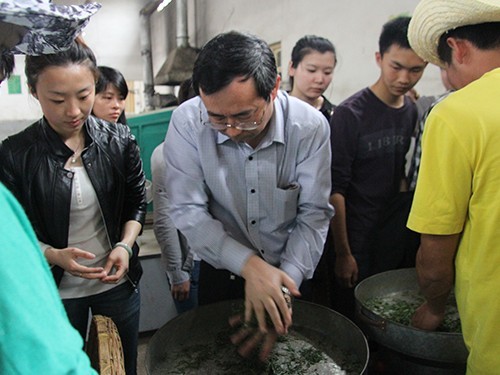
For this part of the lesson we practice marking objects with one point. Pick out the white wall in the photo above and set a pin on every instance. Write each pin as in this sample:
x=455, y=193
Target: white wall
x=113, y=35
x=352, y=25
x=18, y=106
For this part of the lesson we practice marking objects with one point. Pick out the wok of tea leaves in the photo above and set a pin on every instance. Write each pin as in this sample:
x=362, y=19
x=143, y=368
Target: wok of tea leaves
x=400, y=307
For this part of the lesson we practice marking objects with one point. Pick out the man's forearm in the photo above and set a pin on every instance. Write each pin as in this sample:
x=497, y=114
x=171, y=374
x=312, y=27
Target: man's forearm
x=436, y=269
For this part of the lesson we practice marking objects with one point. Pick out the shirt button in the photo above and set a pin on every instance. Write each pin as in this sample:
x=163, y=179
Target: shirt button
x=69, y=174
x=253, y=222
x=262, y=251
x=252, y=191
x=250, y=158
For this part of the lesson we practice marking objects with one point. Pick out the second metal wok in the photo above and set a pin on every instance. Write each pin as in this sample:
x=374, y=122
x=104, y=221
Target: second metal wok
x=443, y=347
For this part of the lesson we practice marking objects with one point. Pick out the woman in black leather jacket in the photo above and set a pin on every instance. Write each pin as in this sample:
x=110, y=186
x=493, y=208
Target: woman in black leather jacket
x=82, y=185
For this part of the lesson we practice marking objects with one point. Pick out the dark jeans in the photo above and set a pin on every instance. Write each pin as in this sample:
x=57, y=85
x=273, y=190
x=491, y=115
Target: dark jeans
x=394, y=245
x=122, y=305
x=219, y=285
x=192, y=301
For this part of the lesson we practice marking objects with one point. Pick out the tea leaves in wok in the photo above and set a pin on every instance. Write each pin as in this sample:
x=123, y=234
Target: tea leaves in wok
x=400, y=307
x=292, y=354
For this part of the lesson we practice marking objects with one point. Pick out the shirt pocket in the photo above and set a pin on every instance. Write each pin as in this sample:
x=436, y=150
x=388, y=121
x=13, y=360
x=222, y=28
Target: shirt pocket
x=286, y=203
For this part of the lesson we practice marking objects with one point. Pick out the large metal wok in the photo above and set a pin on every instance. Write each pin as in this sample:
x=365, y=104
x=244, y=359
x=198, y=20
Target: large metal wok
x=441, y=347
x=322, y=327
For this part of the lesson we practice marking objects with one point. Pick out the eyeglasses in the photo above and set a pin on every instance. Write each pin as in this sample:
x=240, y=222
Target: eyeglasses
x=238, y=125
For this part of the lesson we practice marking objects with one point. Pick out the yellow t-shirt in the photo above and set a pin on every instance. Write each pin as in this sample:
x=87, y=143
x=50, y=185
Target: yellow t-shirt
x=458, y=191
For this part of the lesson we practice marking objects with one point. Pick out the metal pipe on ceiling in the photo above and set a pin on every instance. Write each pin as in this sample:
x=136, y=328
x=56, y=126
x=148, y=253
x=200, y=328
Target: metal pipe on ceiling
x=147, y=59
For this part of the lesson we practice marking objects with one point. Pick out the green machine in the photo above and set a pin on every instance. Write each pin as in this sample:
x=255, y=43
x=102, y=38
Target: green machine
x=149, y=129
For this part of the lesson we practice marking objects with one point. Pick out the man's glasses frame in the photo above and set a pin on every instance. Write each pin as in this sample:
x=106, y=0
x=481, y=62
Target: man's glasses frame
x=245, y=126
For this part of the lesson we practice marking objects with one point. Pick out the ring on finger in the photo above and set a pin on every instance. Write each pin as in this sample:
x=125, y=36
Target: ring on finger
x=287, y=295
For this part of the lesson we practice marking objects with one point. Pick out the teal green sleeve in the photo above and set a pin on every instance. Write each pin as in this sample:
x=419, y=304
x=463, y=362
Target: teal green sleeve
x=36, y=336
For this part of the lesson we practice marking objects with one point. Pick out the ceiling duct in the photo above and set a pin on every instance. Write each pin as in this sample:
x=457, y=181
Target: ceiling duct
x=180, y=61
x=147, y=61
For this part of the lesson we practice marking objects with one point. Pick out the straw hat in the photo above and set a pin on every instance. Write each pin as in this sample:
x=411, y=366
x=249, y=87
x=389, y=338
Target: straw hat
x=432, y=18
x=50, y=28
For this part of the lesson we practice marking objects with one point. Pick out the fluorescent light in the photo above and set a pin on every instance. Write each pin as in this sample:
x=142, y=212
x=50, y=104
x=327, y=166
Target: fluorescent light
x=162, y=5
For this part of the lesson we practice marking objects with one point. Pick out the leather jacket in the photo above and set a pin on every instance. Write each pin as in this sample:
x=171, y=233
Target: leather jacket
x=32, y=168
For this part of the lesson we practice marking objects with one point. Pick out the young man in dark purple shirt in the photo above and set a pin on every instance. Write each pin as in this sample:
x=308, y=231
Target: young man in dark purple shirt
x=370, y=133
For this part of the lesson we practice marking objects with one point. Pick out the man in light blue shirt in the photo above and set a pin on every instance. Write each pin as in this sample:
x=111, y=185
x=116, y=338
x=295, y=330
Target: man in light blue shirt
x=249, y=179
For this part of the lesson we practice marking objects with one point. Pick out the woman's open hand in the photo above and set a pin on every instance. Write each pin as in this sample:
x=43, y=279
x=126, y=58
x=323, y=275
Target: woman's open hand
x=67, y=259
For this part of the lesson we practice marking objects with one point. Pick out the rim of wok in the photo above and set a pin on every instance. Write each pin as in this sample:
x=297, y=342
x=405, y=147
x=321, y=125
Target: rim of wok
x=393, y=273
x=306, y=316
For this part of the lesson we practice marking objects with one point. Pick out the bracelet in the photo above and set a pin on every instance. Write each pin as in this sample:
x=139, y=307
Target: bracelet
x=126, y=247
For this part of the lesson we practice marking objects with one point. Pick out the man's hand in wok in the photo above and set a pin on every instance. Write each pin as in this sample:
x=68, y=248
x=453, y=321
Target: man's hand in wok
x=268, y=292
x=249, y=337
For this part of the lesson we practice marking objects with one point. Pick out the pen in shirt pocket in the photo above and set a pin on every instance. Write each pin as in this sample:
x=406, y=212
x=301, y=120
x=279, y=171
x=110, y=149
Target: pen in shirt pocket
x=292, y=186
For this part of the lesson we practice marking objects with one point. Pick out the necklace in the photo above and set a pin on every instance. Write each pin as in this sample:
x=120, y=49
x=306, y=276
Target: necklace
x=76, y=153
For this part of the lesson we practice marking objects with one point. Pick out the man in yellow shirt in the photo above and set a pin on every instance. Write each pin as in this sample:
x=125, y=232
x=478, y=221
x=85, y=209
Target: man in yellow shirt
x=457, y=199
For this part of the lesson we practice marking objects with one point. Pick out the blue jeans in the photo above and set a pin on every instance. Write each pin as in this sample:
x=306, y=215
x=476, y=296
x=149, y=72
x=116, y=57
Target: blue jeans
x=122, y=305
x=192, y=301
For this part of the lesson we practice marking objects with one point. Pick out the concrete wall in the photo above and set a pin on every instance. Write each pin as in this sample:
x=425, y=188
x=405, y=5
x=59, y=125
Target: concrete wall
x=352, y=25
x=113, y=35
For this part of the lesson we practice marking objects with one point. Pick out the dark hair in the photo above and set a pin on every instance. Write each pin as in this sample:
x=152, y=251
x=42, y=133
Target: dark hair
x=6, y=64
x=234, y=54
x=308, y=44
x=484, y=36
x=111, y=76
x=77, y=53
x=394, y=32
x=186, y=90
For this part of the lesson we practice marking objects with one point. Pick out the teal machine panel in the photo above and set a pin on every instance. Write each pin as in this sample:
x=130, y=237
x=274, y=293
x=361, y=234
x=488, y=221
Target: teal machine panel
x=149, y=129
